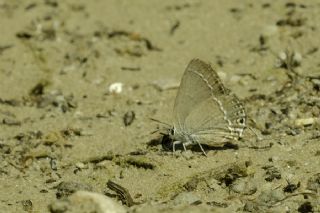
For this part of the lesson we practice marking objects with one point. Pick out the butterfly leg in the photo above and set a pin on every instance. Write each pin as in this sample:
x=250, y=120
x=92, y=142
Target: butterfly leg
x=174, y=145
x=202, y=149
x=184, y=146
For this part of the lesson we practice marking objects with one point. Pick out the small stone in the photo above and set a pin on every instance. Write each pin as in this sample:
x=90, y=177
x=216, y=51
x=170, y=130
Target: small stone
x=222, y=75
x=186, y=198
x=272, y=173
x=316, y=83
x=116, y=88
x=84, y=202
x=64, y=189
x=187, y=154
x=297, y=58
x=128, y=118
x=235, y=79
x=282, y=56
x=314, y=183
x=53, y=164
x=11, y=122
x=81, y=165
x=27, y=205
x=165, y=84
x=271, y=196
x=305, y=121
x=243, y=187
x=213, y=184
x=85, y=133
x=251, y=206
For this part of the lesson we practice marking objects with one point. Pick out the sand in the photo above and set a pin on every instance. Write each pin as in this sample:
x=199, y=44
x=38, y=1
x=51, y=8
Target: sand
x=80, y=81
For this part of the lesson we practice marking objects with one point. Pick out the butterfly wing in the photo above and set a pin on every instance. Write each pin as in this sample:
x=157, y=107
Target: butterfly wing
x=204, y=107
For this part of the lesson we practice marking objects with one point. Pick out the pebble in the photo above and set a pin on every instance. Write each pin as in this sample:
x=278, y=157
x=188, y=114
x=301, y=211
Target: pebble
x=271, y=197
x=306, y=121
x=316, y=82
x=297, y=58
x=11, y=122
x=65, y=189
x=187, y=154
x=84, y=202
x=244, y=187
x=313, y=183
x=222, y=75
x=235, y=78
x=128, y=118
x=186, y=198
x=165, y=84
x=81, y=165
x=115, y=88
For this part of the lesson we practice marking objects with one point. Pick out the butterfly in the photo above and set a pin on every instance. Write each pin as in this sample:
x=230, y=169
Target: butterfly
x=204, y=110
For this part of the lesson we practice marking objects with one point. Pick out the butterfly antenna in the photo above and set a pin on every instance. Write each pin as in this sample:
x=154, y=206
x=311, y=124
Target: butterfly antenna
x=259, y=138
x=162, y=129
x=155, y=131
x=161, y=122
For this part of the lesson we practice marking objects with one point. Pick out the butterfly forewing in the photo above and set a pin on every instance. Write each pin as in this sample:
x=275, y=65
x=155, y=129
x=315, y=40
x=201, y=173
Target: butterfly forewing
x=193, y=89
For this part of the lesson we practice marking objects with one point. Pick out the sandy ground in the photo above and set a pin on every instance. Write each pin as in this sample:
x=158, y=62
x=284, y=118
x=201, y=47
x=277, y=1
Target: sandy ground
x=62, y=130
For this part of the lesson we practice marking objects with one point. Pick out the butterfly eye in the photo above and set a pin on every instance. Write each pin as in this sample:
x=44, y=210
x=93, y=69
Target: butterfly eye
x=240, y=120
x=171, y=131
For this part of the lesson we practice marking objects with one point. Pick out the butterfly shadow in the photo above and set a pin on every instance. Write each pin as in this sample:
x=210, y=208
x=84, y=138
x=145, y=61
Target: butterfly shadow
x=167, y=145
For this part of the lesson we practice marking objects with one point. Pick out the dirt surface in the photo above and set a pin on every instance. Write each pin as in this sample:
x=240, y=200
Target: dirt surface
x=80, y=81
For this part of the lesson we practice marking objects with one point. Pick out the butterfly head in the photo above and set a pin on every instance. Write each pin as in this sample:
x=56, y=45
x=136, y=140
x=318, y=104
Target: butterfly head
x=172, y=133
x=168, y=139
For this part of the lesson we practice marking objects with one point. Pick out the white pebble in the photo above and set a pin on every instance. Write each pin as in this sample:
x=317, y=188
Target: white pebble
x=116, y=88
